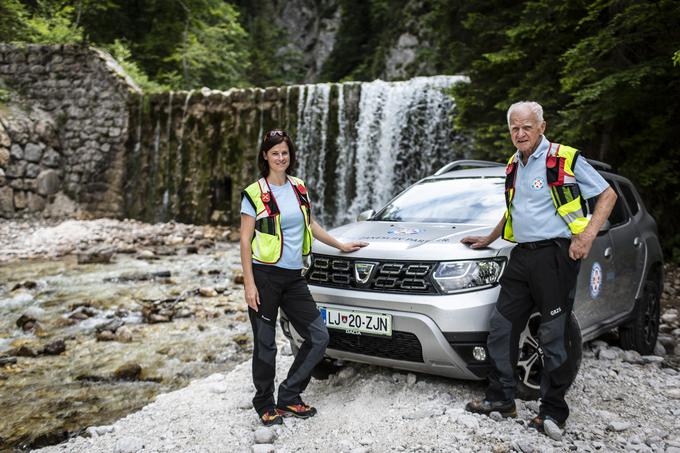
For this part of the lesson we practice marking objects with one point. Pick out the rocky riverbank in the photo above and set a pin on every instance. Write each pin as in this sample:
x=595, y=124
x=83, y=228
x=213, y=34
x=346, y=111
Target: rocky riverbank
x=98, y=317
x=103, y=318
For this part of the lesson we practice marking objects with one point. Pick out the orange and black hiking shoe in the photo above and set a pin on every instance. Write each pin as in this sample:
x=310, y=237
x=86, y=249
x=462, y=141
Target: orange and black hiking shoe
x=271, y=417
x=299, y=410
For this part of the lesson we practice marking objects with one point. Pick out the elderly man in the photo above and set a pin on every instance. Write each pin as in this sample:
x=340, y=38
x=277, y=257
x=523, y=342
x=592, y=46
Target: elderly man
x=545, y=190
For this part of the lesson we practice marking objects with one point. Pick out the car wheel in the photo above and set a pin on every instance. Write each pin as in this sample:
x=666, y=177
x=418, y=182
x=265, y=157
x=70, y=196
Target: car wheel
x=641, y=332
x=530, y=362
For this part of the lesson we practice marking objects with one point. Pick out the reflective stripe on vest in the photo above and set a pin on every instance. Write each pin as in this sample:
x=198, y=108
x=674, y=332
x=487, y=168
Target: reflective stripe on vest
x=267, y=243
x=565, y=193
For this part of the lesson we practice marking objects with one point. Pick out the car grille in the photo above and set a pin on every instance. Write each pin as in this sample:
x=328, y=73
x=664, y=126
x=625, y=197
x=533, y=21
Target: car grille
x=401, y=346
x=384, y=276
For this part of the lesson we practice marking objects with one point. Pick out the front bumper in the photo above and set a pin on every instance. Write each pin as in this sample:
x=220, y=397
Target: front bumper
x=432, y=334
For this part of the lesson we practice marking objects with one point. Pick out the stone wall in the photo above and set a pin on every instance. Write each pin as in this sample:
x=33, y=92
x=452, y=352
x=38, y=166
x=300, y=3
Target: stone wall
x=63, y=131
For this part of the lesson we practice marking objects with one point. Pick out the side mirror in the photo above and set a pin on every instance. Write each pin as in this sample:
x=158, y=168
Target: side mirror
x=365, y=215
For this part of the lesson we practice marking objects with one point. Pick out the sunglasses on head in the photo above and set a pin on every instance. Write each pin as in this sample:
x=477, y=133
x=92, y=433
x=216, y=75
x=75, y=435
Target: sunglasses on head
x=276, y=133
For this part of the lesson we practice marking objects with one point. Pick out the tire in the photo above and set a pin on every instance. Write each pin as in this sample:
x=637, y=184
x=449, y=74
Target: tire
x=641, y=332
x=530, y=362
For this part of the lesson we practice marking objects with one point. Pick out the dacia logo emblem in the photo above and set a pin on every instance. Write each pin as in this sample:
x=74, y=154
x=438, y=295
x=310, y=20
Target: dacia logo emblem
x=363, y=271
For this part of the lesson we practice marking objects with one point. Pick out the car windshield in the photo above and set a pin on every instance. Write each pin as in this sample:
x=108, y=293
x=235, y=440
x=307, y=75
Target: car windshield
x=454, y=200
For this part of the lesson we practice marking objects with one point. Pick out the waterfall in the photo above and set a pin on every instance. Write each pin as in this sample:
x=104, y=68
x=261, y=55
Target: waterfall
x=399, y=132
x=358, y=145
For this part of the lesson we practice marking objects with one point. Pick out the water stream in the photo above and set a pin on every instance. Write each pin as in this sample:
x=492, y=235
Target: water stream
x=52, y=396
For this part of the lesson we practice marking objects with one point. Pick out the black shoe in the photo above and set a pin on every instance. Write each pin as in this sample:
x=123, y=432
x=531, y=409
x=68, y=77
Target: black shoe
x=299, y=410
x=538, y=422
x=271, y=417
x=486, y=407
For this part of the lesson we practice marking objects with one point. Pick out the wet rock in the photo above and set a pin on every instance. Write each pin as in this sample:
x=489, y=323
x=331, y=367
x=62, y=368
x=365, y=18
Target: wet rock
x=26, y=322
x=4, y=361
x=264, y=436
x=124, y=334
x=111, y=326
x=141, y=276
x=96, y=255
x=234, y=236
x=128, y=372
x=182, y=313
x=191, y=250
x=26, y=351
x=669, y=317
x=105, y=335
x=146, y=255
x=207, y=292
x=496, y=416
x=28, y=284
x=153, y=319
x=263, y=448
x=238, y=278
x=55, y=348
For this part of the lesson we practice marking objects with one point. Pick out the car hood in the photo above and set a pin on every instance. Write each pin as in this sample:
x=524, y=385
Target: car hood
x=412, y=241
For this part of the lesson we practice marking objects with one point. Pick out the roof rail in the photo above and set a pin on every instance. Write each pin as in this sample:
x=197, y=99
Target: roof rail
x=599, y=165
x=456, y=164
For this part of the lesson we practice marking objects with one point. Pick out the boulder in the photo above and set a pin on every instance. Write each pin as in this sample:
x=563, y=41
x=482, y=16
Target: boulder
x=128, y=372
x=100, y=254
x=6, y=200
x=48, y=182
x=55, y=348
x=4, y=157
x=33, y=152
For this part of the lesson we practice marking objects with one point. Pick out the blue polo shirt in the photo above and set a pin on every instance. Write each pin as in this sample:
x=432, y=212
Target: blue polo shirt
x=292, y=224
x=534, y=216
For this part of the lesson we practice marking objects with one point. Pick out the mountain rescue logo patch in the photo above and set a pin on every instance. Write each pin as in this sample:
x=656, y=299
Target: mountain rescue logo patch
x=595, y=280
x=537, y=183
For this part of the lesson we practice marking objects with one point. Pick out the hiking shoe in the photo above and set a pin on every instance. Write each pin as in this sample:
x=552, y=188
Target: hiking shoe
x=486, y=407
x=271, y=417
x=547, y=425
x=300, y=410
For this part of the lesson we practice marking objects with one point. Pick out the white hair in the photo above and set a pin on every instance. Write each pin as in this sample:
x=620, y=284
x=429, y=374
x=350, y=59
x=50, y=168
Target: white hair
x=535, y=107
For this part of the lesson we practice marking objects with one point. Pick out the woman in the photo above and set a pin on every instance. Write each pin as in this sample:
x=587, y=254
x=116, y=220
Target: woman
x=277, y=230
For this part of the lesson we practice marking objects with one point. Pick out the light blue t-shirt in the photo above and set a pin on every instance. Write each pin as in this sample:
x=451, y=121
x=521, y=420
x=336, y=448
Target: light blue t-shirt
x=534, y=216
x=292, y=224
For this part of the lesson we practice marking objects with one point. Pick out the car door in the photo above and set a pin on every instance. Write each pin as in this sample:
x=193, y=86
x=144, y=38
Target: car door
x=628, y=252
x=595, y=280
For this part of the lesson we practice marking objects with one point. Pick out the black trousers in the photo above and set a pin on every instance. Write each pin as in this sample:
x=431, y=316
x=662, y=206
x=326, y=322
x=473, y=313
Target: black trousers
x=542, y=279
x=286, y=289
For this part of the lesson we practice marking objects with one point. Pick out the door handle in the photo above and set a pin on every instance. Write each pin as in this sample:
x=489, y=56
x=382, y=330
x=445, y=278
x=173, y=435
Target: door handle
x=637, y=242
x=608, y=253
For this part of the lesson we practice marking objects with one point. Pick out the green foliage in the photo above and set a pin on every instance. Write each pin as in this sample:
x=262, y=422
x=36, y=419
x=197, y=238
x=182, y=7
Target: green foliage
x=121, y=52
x=12, y=21
x=604, y=73
x=52, y=22
x=212, y=50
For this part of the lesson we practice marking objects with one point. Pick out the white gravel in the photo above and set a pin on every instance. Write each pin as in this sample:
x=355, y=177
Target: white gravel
x=616, y=406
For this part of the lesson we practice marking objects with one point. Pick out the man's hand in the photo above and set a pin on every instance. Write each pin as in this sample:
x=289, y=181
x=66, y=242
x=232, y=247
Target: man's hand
x=580, y=245
x=476, y=242
x=352, y=246
x=252, y=296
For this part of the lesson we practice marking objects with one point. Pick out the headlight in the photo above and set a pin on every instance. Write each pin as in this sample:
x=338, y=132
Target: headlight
x=456, y=276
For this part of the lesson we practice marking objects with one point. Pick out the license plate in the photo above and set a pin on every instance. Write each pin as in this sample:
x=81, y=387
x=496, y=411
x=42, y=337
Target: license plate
x=357, y=322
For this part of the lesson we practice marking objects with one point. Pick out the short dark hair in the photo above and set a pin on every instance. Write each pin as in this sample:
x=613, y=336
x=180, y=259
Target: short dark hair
x=270, y=140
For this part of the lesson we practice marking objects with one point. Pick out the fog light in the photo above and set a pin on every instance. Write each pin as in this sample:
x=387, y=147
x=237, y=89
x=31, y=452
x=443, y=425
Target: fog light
x=479, y=353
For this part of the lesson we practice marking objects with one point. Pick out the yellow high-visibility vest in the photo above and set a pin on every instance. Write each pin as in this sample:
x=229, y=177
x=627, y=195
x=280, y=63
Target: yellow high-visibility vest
x=267, y=243
x=565, y=193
